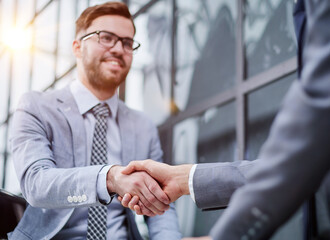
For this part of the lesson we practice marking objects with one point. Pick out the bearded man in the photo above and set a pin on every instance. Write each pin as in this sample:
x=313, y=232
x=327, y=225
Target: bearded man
x=68, y=145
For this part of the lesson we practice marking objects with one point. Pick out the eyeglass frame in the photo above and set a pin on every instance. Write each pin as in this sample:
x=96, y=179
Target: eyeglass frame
x=89, y=35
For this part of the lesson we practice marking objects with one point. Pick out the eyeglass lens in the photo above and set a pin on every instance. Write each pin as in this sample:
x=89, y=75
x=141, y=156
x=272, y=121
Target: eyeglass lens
x=109, y=40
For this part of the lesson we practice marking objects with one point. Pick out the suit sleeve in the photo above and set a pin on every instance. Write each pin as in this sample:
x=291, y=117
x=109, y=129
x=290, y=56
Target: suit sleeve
x=43, y=184
x=297, y=151
x=214, y=183
x=165, y=226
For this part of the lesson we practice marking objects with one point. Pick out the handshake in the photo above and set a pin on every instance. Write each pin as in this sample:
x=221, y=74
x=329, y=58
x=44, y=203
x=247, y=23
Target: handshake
x=148, y=187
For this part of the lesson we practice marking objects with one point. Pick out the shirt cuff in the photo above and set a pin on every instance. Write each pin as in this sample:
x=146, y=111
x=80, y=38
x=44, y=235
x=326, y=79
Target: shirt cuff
x=191, y=182
x=101, y=186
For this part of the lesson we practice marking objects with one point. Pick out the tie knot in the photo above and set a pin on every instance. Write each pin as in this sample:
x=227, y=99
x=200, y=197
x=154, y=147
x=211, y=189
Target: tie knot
x=101, y=110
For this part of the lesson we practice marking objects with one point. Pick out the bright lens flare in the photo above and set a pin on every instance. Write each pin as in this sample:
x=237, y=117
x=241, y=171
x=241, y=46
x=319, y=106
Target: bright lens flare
x=17, y=39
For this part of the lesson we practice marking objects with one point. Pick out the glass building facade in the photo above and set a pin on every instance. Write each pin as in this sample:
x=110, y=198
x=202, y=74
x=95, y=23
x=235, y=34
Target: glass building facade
x=211, y=74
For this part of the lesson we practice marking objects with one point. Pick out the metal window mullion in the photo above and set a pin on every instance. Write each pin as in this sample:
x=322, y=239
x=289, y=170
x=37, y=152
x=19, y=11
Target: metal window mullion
x=58, y=16
x=169, y=147
x=32, y=48
x=240, y=96
x=10, y=79
x=277, y=72
x=144, y=8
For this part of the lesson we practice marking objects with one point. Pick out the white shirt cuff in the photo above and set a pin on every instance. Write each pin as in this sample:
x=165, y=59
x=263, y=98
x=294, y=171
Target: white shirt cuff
x=191, y=182
x=101, y=185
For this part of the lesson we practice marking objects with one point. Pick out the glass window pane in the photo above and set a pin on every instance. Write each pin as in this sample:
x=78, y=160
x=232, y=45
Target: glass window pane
x=292, y=229
x=4, y=73
x=12, y=183
x=322, y=201
x=205, y=56
x=65, y=58
x=2, y=149
x=43, y=71
x=269, y=37
x=210, y=137
x=148, y=83
x=135, y=5
x=46, y=28
x=263, y=105
x=20, y=77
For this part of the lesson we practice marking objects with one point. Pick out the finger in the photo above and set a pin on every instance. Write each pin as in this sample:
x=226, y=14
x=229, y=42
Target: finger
x=144, y=210
x=134, y=166
x=126, y=199
x=134, y=201
x=119, y=198
x=148, y=205
x=163, y=200
x=138, y=211
x=155, y=195
x=148, y=199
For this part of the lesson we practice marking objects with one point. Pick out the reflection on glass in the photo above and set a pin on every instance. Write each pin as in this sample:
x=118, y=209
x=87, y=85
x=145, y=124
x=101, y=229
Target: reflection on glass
x=322, y=202
x=268, y=34
x=2, y=150
x=43, y=71
x=46, y=28
x=149, y=80
x=293, y=229
x=4, y=73
x=207, y=138
x=205, y=49
x=135, y=5
x=263, y=105
x=65, y=58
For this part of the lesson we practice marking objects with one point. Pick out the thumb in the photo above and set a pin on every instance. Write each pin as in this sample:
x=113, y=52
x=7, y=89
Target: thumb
x=132, y=167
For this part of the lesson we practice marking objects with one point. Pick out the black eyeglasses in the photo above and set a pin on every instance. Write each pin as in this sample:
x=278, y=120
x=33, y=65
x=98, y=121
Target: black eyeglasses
x=109, y=39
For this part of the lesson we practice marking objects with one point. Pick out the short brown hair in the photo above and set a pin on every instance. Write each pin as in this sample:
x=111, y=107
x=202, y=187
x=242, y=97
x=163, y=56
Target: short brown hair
x=108, y=8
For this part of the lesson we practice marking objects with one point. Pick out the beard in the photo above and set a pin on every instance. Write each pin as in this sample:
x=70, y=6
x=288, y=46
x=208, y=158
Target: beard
x=102, y=79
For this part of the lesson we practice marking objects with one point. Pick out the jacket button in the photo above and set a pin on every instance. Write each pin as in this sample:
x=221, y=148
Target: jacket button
x=75, y=199
x=70, y=199
x=79, y=199
x=84, y=198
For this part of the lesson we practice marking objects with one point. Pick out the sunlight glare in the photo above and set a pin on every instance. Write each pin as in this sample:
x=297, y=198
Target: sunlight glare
x=17, y=39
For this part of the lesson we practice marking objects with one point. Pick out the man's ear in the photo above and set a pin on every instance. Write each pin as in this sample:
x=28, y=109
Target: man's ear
x=76, y=48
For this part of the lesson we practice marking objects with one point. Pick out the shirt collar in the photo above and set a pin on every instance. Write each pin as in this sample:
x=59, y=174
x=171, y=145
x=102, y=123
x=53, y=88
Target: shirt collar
x=86, y=100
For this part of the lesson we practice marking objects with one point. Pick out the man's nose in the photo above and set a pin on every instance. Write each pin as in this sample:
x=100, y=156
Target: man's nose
x=118, y=47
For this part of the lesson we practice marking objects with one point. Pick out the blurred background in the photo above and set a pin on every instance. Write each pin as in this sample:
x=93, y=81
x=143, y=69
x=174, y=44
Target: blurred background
x=211, y=74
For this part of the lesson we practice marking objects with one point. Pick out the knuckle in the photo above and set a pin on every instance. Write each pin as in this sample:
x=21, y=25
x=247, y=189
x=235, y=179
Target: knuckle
x=153, y=187
x=136, y=183
x=147, y=204
x=152, y=199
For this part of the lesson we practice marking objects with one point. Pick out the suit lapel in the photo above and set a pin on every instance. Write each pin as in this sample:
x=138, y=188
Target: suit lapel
x=127, y=133
x=68, y=106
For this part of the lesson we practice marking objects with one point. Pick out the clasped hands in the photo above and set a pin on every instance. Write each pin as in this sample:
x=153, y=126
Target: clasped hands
x=148, y=187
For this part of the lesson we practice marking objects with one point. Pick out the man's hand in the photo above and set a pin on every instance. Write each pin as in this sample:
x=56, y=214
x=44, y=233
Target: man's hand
x=134, y=204
x=153, y=200
x=172, y=179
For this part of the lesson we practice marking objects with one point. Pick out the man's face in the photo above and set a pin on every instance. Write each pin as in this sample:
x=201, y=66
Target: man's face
x=107, y=68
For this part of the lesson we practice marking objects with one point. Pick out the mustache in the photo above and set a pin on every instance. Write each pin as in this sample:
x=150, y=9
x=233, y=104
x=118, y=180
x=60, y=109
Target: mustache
x=118, y=58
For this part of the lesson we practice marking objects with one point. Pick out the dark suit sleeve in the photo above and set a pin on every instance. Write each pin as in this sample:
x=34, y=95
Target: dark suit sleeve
x=297, y=151
x=214, y=183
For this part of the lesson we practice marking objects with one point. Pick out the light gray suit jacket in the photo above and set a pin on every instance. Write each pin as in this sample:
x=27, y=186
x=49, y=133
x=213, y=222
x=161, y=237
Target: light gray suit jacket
x=297, y=152
x=49, y=152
